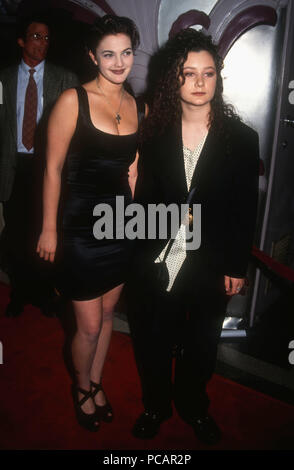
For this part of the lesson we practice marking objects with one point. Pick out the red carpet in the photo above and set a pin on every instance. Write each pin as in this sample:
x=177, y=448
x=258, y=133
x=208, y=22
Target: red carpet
x=36, y=411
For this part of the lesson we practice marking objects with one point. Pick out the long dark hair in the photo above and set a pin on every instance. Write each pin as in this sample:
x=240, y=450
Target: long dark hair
x=163, y=94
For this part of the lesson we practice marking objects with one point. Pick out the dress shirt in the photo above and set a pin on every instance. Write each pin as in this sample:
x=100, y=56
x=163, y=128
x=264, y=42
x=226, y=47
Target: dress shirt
x=22, y=83
x=177, y=254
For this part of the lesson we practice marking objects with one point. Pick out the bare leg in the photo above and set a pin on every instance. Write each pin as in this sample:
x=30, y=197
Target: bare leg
x=109, y=301
x=89, y=319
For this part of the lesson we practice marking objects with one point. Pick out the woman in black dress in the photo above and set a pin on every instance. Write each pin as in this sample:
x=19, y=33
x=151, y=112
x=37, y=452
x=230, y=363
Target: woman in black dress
x=192, y=141
x=94, y=129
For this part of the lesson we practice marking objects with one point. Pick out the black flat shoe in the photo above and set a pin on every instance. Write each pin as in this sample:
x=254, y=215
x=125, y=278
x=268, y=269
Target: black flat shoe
x=148, y=424
x=104, y=412
x=86, y=420
x=206, y=430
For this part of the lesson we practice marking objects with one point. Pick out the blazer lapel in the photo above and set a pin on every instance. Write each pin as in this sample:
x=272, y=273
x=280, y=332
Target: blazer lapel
x=50, y=89
x=208, y=162
x=175, y=159
x=208, y=167
x=46, y=85
x=11, y=93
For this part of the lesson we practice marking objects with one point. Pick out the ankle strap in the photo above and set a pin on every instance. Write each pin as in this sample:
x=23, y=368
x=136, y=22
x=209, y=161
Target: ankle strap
x=96, y=386
x=87, y=393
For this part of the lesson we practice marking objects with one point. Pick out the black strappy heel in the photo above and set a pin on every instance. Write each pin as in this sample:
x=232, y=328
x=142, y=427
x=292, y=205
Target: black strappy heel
x=105, y=412
x=86, y=420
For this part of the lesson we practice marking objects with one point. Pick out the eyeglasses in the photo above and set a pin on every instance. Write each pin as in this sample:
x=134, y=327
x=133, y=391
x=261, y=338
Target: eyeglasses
x=38, y=37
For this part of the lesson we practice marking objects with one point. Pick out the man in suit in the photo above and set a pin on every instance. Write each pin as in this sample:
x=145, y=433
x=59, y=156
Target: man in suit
x=30, y=89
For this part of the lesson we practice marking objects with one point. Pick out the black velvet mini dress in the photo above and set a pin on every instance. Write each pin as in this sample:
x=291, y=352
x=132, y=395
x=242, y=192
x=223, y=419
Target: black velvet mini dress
x=96, y=172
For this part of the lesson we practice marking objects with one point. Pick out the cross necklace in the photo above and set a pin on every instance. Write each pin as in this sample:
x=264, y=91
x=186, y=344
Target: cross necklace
x=117, y=115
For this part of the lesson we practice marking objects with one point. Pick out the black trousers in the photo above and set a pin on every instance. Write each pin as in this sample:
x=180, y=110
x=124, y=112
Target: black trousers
x=190, y=317
x=31, y=278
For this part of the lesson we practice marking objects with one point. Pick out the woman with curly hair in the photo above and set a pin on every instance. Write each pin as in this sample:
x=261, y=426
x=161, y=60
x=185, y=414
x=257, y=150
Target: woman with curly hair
x=195, y=149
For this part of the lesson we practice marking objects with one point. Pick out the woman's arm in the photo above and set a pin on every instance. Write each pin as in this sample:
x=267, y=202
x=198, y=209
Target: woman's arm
x=61, y=127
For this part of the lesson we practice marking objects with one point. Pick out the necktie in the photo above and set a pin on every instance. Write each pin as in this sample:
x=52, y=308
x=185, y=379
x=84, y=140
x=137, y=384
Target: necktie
x=30, y=112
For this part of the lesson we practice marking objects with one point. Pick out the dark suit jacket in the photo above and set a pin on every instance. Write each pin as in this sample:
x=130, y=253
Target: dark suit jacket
x=226, y=182
x=56, y=80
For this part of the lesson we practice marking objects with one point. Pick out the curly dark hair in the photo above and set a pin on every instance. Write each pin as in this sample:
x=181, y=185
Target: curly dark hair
x=111, y=24
x=166, y=78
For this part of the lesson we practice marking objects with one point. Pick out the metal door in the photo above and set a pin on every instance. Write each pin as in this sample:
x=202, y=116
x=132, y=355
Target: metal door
x=277, y=228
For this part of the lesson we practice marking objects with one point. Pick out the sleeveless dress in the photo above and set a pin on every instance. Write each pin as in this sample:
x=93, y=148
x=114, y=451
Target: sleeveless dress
x=96, y=172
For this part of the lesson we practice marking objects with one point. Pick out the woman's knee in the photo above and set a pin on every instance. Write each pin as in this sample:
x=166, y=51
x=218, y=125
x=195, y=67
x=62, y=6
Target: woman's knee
x=90, y=333
x=108, y=313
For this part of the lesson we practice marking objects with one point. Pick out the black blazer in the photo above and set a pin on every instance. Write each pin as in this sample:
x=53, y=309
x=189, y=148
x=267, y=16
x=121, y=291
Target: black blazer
x=226, y=182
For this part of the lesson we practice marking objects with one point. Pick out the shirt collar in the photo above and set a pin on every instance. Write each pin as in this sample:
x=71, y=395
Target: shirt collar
x=38, y=68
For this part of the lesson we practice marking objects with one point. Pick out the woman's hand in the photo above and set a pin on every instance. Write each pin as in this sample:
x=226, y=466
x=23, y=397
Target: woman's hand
x=47, y=245
x=61, y=126
x=233, y=285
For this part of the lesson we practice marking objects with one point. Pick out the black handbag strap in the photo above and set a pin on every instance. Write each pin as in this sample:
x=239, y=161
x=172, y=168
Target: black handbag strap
x=171, y=241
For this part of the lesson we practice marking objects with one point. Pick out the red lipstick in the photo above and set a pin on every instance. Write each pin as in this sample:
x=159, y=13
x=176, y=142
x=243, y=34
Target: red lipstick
x=118, y=72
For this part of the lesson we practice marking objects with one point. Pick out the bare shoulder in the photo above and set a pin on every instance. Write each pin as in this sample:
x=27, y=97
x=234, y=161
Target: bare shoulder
x=68, y=98
x=137, y=103
x=66, y=106
x=64, y=114
x=91, y=87
x=129, y=98
x=140, y=103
